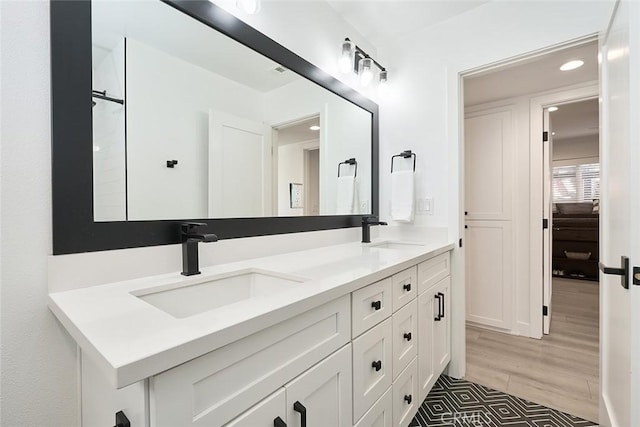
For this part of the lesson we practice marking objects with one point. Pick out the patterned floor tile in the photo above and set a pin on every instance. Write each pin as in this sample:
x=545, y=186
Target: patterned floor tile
x=460, y=403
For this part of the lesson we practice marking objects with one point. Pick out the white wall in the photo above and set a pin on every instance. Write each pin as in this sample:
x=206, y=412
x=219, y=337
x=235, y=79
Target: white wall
x=168, y=119
x=38, y=356
x=423, y=109
x=109, y=167
x=576, y=150
x=39, y=375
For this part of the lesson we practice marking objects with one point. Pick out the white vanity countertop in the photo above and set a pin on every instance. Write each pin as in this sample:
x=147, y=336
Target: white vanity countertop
x=131, y=339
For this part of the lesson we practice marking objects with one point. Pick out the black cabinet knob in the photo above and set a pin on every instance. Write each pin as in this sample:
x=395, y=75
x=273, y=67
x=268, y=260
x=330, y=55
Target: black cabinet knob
x=407, y=336
x=408, y=398
x=376, y=305
x=407, y=287
x=377, y=365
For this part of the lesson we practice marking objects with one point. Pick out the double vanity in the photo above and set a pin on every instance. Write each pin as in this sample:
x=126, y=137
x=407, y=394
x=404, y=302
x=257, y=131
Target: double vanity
x=346, y=335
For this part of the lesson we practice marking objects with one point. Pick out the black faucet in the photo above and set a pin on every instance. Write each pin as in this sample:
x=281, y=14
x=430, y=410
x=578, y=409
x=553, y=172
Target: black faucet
x=367, y=222
x=190, y=241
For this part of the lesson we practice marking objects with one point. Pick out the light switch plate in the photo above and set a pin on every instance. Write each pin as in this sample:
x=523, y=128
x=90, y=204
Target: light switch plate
x=425, y=206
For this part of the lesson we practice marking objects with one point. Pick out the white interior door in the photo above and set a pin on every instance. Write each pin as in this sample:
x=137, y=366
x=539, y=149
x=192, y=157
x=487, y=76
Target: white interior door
x=489, y=186
x=547, y=233
x=620, y=218
x=240, y=178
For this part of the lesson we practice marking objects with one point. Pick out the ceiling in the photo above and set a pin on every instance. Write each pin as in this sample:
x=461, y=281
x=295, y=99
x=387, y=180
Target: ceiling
x=299, y=132
x=384, y=20
x=575, y=120
x=530, y=76
x=160, y=26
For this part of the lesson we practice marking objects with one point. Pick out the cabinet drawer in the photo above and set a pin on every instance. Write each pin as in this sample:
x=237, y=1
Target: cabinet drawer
x=216, y=387
x=405, y=336
x=405, y=395
x=405, y=287
x=380, y=414
x=432, y=271
x=371, y=305
x=264, y=413
x=372, y=367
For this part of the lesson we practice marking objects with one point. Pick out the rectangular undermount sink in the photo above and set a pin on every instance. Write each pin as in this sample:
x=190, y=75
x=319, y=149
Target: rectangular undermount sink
x=183, y=300
x=397, y=245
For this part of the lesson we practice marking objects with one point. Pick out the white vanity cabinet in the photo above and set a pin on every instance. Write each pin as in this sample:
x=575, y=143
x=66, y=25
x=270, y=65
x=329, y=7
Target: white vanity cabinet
x=365, y=359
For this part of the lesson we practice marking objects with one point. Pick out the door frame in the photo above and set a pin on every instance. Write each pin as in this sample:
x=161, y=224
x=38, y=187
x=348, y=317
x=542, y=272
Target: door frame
x=536, y=179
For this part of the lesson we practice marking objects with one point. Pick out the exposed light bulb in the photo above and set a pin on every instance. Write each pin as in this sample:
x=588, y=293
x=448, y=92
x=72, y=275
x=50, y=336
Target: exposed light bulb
x=365, y=71
x=345, y=63
x=572, y=65
x=249, y=6
x=383, y=86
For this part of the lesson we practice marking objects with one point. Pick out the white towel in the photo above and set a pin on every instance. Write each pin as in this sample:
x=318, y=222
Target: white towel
x=345, y=192
x=402, y=196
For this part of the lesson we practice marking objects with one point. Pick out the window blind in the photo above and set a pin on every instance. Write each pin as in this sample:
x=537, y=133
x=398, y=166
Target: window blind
x=576, y=183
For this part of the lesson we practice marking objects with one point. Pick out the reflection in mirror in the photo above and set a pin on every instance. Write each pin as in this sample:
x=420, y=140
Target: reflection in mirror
x=188, y=123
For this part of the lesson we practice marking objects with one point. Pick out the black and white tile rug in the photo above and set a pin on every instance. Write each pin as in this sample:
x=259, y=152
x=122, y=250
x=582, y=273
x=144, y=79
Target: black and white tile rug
x=460, y=403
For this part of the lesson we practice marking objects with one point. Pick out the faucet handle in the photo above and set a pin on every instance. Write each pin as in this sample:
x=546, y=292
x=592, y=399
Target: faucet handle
x=189, y=227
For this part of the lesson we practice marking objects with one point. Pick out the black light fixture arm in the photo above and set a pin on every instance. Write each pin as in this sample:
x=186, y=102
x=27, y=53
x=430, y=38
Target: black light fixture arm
x=360, y=52
x=103, y=95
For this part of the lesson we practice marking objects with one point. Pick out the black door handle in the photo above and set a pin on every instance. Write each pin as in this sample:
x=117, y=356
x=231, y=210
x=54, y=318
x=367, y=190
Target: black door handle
x=438, y=316
x=299, y=407
x=441, y=302
x=376, y=305
x=408, y=398
x=623, y=272
x=377, y=365
x=407, y=336
x=407, y=287
x=279, y=422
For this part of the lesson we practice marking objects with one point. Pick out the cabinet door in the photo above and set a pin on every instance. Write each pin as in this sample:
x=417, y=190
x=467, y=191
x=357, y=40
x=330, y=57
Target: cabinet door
x=265, y=413
x=380, y=414
x=322, y=395
x=442, y=328
x=426, y=313
x=405, y=399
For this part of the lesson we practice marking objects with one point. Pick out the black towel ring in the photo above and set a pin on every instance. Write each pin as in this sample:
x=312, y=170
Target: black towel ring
x=351, y=161
x=405, y=155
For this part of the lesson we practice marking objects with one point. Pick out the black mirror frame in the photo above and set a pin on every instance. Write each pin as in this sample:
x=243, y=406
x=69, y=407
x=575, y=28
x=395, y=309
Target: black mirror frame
x=74, y=228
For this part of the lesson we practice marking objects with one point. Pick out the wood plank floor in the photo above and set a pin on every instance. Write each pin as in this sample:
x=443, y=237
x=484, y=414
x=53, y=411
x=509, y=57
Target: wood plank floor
x=559, y=371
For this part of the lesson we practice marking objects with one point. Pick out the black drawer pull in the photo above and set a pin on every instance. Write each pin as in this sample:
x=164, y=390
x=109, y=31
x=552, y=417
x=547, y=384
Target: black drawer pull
x=407, y=287
x=407, y=336
x=377, y=365
x=442, y=302
x=299, y=407
x=279, y=422
x=376, y=305
x=439, y=315
x=122, y=420
x=408, y=399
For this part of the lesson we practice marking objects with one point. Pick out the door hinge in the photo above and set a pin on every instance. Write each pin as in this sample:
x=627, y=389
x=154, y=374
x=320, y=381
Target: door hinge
x=460, y=244
x=545, y=136
x=545, y=310
x=636, y=275
x=545, y=223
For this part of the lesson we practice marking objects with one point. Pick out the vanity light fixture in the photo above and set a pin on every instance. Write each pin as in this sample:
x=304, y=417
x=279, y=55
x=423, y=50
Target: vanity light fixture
x=353, y=58
x=314, y=127
x=249, y=6
x=572, y=65
x=552, y=109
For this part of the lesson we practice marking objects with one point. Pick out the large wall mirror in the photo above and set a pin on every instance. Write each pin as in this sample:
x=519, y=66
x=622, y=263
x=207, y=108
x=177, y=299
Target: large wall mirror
x=174, y=111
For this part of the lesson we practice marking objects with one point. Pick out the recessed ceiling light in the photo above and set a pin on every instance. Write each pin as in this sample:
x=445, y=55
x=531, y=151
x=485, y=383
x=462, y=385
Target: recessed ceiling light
x=552, y=109
x=572, y=65
x=553, y=133
x=314, y=127
x=96, y=148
